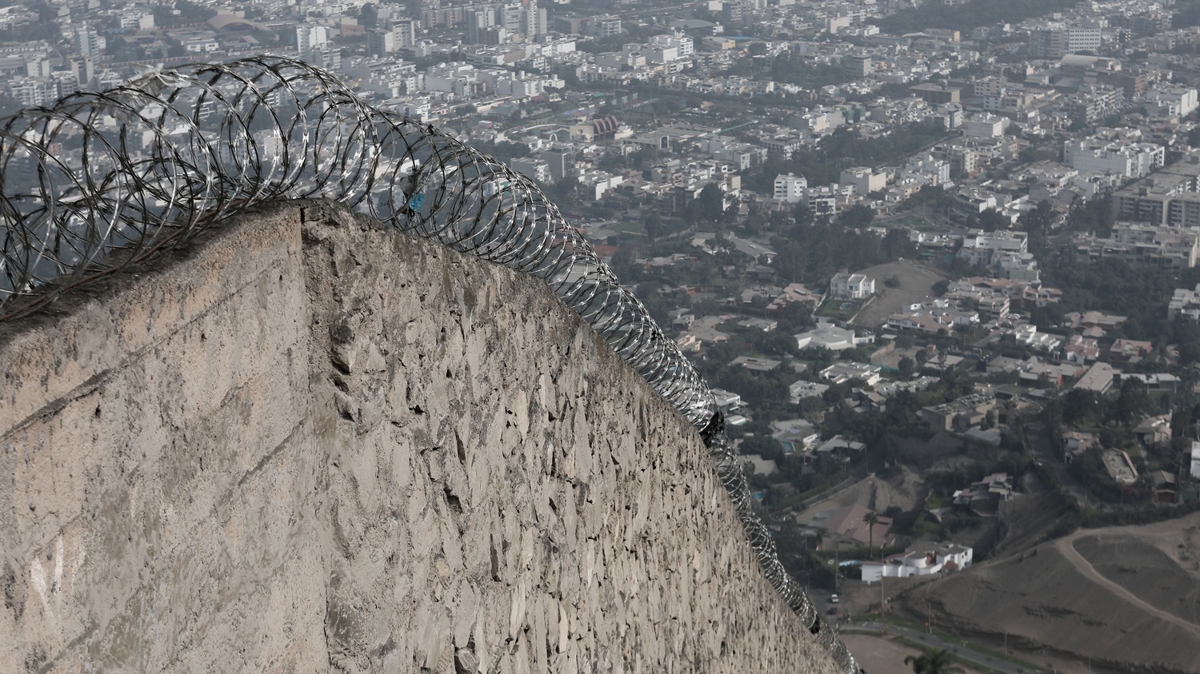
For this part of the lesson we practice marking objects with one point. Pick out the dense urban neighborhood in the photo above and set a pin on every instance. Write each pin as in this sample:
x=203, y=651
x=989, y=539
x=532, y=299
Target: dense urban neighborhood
x=939, y=261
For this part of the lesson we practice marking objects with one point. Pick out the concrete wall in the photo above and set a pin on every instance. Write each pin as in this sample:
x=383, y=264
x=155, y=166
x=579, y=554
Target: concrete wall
x=305, y=444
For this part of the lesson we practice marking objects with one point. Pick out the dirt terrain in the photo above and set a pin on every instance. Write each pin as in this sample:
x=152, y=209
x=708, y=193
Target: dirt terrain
x=1127, y=598
x=916, y=285
x=874, y=493
x=882, y=654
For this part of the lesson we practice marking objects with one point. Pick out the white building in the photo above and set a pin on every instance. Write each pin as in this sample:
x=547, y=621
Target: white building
x=984, y=249
x=1128, y=160
x=89, y=43
x=1185, y=304
x=727, y=401
x=805, y=389
x=985, y=126
x=843, y=371
x=927, y=170
x=922, y=562
x=683, y=45
x=790, y=188
x=309, y=37
x=829, y=336
x=845, y=285
x=1057, y=40
x=863, y=180
x=1173, y=101
x=534, y=168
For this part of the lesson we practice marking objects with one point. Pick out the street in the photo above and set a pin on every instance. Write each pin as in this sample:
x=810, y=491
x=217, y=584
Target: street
x=932, y=641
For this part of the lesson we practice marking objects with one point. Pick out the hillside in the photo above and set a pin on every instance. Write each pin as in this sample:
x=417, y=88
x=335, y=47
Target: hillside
x=1125, y=597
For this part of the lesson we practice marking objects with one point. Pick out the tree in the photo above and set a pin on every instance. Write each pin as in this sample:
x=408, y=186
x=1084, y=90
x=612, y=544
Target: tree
x=710, y=205
x=932, y=661
x=871, y=519
x=906, y=367
x=858, y=215
x=1133, y=401
x=368, y=16
x=989, y=221
x=654, y=226
x=1037, y=221
x=1078, y=405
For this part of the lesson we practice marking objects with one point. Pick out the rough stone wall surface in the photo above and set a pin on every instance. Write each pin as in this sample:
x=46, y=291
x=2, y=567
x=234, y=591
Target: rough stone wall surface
x=306, y=444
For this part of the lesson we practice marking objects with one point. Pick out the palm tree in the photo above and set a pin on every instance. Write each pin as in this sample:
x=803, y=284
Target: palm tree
x=870, y=518
x=933, y=661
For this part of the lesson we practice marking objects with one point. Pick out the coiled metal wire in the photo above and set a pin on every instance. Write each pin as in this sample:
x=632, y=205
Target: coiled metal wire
x=102, y=181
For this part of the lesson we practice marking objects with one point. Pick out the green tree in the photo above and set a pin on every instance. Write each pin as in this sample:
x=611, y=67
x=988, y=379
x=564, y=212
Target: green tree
x=1133, y=401
x=654, y=226
x=368, y=16
x=989, y=220
x=858, y=215
x=871, y=519
x=1078, y=406
x=710, y=205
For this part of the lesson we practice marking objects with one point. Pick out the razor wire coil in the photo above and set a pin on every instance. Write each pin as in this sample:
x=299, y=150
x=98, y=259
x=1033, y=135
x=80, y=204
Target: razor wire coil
x=99, y=182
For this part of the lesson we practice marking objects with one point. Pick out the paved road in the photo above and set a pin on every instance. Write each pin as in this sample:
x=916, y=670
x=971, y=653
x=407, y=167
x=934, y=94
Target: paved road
x=933, y=641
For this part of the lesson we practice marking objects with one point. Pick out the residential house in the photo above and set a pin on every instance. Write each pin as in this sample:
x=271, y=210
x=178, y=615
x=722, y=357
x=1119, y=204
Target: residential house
x=1098, y=379
x=727, y=401
x=1153, y=431
x=756, y=364
x=1076, y=443
x=794, y=434
x=1185, y=304
x=805, y=389
x=1119, y=466
x=845, y=285
x=1129, y=350
x=1164, y=486
x=984, y=497
x=1081, y=350
x=829, y=336
x=757, y=465
x=923, y=561
x=843, y=371
x=838, y=443
x=960, y=414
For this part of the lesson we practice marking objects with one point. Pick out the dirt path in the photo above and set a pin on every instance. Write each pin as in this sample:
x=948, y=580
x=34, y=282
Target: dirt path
x=1067, y=548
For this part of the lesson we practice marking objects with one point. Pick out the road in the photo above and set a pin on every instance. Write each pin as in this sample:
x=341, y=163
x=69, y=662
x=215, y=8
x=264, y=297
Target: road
x=1066, y=547
x=933, y=641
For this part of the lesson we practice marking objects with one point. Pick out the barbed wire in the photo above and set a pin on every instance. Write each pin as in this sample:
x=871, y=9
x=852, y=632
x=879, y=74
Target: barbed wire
x=99, y=182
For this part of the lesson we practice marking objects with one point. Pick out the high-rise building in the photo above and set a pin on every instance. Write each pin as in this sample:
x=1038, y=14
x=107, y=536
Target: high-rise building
x=790, y=188
x=88, y=42
x=309, y=37
x=84, y=71
x=405, y=31
x=1058, y=41
x=534, y=19
x=511, y=18
x=479, y=21
x=607, y=25
x=856, y=65
x=380, y=42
